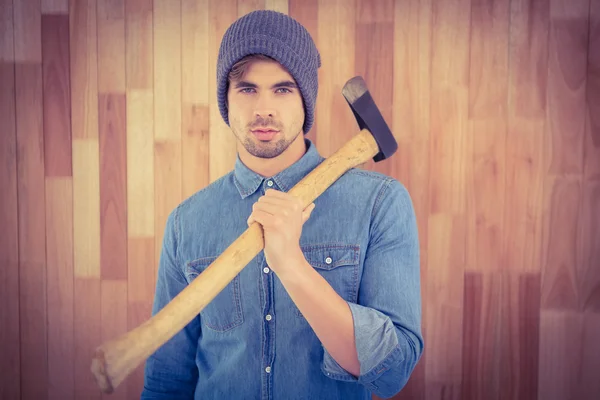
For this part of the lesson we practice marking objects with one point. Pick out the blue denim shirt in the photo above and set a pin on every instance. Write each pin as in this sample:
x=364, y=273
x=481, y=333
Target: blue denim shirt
x=251, y=341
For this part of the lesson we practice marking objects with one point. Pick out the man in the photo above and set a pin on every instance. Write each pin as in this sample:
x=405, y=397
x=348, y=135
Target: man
x=331, y=308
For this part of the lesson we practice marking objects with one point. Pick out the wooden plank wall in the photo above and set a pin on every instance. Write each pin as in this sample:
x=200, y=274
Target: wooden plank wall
x=109, y=119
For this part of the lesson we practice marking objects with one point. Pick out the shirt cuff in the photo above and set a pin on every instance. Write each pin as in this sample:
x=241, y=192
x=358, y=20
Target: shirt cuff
x=376, y=345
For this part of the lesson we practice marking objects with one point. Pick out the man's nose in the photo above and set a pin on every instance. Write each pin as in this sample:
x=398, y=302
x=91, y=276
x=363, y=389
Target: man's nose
x=265, y=107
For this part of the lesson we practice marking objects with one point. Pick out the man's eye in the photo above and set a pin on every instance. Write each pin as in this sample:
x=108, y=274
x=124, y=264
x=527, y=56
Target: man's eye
x=246, y=90
x=286, y=90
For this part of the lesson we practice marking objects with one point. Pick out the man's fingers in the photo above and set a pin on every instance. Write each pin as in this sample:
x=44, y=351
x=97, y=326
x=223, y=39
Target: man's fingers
x=307, y=211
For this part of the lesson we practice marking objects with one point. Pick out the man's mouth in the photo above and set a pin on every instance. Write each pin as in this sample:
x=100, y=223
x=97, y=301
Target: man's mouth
x=265, y=133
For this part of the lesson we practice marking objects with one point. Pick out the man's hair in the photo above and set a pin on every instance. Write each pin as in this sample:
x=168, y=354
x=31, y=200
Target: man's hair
x=239, y=68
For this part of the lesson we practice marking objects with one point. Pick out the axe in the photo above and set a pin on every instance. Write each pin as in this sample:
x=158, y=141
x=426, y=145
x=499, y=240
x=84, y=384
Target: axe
x=114, y=360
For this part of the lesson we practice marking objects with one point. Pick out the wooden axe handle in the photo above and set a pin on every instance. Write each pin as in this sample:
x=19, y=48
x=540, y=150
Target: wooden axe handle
x=114, y=360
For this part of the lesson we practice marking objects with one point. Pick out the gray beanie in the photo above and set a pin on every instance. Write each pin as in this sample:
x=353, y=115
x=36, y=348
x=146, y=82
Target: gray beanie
x=278, y=36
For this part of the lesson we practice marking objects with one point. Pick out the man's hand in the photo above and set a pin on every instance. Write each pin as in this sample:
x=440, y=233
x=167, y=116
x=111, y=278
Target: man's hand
x=282, y=218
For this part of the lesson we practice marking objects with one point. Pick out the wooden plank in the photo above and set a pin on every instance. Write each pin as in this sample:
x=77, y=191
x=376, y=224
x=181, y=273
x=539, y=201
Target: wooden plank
x=485, y=166
x=486, y=175
x=113, y=322
x=222, y=143
x=87, y=334
x=589, y=262
x=277, y=5
x=7, y=46
x=375, y=24
x=57, y=93
x=140, y=294
x=9, y=241
x=59, y=241
x=138, y=44
x=528, y=61
x=501, y=327
x=167, y=188
x=32, y=229
x=561, y=235
x=27, y=31
x=569, y=355
x=306, y=12
x=167, y=69
x=140, y=164
x=86, y=207
x=592, y=143
x=444, y=305
x=113, y=186
x=84, y=69
x=195, y=68
x=55, y=6
x=410, y=125
x=336, y=44
x=449, y=106
x=567, y=65
x=528, y=66
x=111, y=46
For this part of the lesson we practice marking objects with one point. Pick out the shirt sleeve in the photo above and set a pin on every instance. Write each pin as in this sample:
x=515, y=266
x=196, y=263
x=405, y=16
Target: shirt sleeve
x=387, y=318
x=171, y=373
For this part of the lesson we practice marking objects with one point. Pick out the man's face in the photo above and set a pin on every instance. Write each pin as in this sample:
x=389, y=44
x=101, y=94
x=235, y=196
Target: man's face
x=265, y=109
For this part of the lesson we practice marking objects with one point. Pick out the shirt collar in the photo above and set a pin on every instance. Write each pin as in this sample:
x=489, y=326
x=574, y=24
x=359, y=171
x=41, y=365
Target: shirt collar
x=248, y=181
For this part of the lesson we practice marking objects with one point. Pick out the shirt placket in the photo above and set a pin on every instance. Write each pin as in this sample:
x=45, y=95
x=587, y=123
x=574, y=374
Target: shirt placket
x=268, y=323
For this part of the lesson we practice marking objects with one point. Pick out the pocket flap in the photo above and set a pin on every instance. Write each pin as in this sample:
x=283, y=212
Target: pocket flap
x=197, y=266
x=330, y=256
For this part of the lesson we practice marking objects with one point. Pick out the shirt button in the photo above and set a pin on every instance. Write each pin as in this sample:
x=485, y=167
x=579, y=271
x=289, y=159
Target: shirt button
x=268, y=370
x=268, y=317
x=269, y=183
x=328, y=260
x=266, y=270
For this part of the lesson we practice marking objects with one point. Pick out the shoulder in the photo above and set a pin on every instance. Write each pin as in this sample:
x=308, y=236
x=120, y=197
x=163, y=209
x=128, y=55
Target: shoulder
x=212, y=193
x=373, y=182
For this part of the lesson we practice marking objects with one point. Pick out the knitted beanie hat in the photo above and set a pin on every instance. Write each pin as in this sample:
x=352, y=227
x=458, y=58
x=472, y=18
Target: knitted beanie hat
x=278, y=36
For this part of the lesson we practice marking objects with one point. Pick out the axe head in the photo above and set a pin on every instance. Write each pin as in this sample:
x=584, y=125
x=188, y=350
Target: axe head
x=367, y=115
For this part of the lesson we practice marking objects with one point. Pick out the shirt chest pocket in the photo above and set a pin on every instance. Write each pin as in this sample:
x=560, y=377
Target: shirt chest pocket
x=225, y=311
x=339, y=264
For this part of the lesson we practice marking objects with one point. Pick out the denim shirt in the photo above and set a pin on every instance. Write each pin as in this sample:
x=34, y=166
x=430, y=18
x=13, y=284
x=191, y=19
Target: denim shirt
x=251, y=341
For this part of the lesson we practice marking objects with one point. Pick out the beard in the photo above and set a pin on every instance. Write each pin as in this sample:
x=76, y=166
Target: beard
x=263, y=149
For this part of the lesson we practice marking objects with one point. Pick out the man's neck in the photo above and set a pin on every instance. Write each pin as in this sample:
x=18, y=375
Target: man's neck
x=272, y=166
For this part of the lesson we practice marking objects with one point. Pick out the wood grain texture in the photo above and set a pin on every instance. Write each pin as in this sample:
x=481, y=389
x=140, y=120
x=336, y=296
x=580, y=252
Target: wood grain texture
x=589, y=263
x=55, y=6
x=592, y=142
x=336, y=44
x=500, y=328
x=113, y=186
x=86, y=207
x=167, y=69
x=27, y=31
x=222, y=142
x=60, y=292
x=87, y=334
x=567, y=65
x=195, y=96
x=57, y=92
x=9, y=245
x=84, y=69
x=139, y=44
x=444, y=303
x=528, y=65
x=277, y=5
x=140, y=163
x=111, y=46
x=569, y=355
x=32, y=231
x=561, y=241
